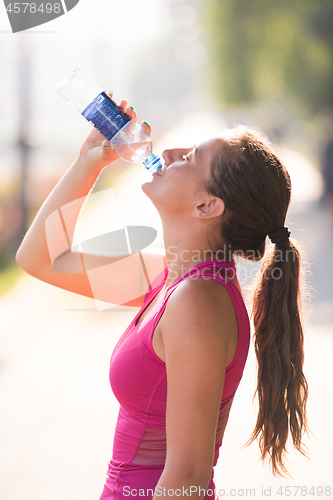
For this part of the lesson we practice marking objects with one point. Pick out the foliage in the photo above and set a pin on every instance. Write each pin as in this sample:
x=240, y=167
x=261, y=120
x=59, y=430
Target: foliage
x=9, y=276
x=272, y=50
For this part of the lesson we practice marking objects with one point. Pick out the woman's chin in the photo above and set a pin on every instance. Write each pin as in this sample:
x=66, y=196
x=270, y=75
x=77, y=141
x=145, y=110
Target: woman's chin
x=147, y=189
x=147, y=186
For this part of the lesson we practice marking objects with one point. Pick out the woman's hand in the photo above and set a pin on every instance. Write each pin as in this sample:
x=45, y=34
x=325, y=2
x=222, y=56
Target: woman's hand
x=98, y=151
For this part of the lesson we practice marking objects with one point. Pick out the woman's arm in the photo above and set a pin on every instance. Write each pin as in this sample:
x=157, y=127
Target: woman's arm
x=46, y=250
x=199, y=331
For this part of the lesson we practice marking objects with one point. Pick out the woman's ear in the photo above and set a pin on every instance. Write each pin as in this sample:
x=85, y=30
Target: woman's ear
x=208, y=208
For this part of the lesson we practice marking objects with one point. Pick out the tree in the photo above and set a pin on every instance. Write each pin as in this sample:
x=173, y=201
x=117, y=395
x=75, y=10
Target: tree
x=268, y=49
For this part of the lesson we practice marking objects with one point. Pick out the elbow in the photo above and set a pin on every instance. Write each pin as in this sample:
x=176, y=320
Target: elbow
x=199, y=476
x=191, y=474
x=19, y=259
x=22, y=261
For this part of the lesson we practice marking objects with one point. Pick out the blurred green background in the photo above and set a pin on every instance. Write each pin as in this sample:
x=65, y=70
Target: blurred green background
x=268, y=64
x=191, y=69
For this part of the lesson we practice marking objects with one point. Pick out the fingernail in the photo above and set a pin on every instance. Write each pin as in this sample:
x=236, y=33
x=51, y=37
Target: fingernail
x=132, y=108
x=145, y=124
x=111, y=92
x=105, y=145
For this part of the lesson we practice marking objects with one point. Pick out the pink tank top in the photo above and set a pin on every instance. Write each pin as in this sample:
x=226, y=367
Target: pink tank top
x=139, y=381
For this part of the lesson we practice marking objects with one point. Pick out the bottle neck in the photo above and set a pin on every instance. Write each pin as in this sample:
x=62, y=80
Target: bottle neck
x=153, y=163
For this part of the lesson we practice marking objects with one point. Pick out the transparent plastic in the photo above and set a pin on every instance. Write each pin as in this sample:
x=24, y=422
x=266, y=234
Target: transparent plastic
x=132, y=143
x=79, y=88
x=130, y=140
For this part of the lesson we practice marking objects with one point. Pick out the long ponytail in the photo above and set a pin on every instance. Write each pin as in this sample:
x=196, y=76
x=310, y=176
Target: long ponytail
x=282, y=388
x=256, y=189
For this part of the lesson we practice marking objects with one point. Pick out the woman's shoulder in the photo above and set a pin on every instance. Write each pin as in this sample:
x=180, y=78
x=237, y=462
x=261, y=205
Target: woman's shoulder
x=200, y=320
x=200, y=296
x=202, y=302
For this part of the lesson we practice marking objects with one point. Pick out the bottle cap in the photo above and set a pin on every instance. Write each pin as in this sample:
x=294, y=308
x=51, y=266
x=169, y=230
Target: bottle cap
x=153, y=163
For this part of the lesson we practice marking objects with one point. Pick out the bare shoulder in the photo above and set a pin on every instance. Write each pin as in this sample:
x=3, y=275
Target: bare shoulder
x=201, y=297
x=200, y=316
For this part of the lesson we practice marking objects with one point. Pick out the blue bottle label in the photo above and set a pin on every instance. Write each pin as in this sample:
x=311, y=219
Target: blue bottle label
x=104, y=114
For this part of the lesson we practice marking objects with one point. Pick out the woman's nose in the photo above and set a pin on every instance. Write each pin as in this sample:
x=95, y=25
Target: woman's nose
x=171, y=155
x=167, y=156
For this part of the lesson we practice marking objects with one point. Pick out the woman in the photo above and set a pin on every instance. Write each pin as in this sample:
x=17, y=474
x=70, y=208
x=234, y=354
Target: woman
x=177, y=366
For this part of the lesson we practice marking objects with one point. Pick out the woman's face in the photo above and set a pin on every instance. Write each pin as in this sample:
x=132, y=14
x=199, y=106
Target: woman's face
x=178, y=186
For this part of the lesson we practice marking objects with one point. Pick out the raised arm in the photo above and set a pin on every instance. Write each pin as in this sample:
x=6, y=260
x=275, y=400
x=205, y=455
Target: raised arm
x=199, y=331
x=46, y=251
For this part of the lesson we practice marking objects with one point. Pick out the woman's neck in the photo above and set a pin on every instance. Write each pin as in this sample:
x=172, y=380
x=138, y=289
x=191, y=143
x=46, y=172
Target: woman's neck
x=185, y=250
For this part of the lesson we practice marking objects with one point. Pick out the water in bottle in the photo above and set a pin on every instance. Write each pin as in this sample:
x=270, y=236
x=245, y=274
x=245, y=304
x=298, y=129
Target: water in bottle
x=130, y=140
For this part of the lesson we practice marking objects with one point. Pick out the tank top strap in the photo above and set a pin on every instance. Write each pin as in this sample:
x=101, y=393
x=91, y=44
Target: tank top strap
x=216, y=269
x=212, y=269
x=222, y=271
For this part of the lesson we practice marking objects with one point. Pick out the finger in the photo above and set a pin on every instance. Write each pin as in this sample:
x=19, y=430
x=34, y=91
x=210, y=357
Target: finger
x=123, y=104
x=106, y=144
x=130, y=112
x=146, y=126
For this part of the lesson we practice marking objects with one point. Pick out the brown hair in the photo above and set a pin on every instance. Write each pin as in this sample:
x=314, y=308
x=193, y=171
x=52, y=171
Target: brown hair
x=255, y=186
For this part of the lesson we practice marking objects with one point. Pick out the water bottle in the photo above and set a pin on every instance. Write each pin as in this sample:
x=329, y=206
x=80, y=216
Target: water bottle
x=131, y=142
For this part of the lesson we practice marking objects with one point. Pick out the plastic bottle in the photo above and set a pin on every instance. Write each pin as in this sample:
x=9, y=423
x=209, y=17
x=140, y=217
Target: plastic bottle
x=130, y=140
